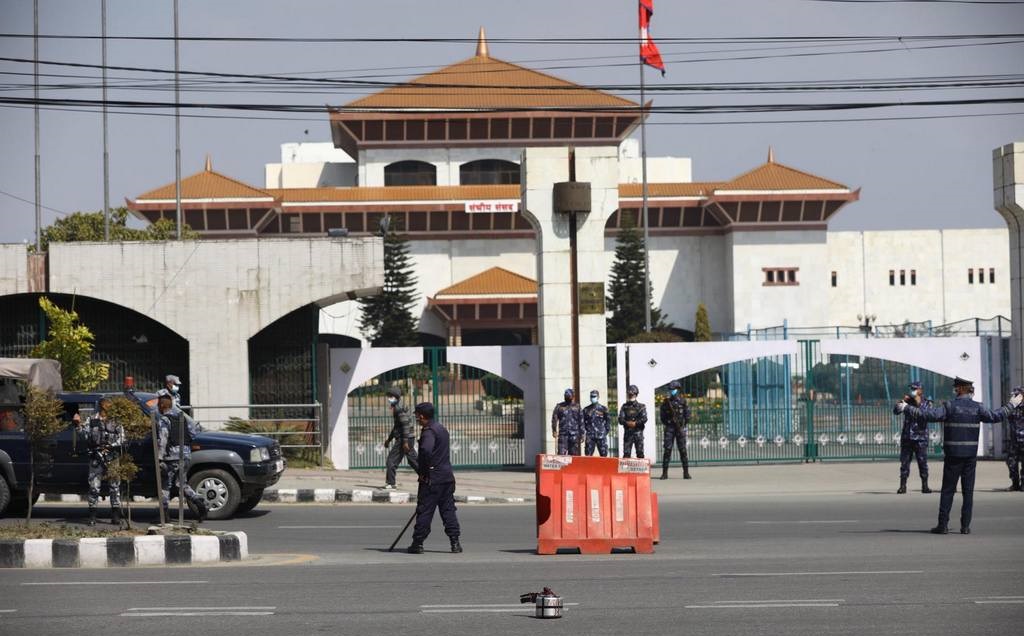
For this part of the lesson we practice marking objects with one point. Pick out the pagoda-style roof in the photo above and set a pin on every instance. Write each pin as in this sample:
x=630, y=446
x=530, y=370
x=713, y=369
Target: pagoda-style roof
x=206, y=185
x=495, y=297
x=775, y=176
x=494, y=282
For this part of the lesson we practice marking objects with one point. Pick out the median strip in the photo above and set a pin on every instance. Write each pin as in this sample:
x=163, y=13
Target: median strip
x=123, y=551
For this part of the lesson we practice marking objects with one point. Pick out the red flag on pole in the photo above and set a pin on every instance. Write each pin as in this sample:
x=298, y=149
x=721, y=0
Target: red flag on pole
x=649, y=54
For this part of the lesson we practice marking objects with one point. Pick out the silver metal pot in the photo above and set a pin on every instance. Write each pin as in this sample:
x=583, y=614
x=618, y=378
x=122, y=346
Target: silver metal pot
x=549, y=606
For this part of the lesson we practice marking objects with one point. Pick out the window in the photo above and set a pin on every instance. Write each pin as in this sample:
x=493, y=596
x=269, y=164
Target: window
x=903, y=277
x=833, y=279
x=489, y=171
x=970, y=276
x=892, y=277
x=913, y=277
x=991, y=274
x=408, y=173
x=981, y=275
x=780, y=275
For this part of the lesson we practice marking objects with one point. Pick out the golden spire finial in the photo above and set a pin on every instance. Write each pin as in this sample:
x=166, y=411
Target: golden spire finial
x=771, y=155
x=209, y=164
x=481, y=44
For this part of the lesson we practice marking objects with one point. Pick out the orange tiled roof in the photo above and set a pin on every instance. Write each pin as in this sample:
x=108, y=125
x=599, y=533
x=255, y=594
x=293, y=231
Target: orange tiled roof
x=491, y=282
x=396, y=193
x=635, y=190
x=483, y=82
x=207, y=185
x=775, y=176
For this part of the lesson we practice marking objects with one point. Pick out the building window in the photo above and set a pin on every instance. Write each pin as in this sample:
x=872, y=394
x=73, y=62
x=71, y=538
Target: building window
x=780, y=275
x=892, y=277
x=410, y=173
x=489, y=171
x=970, y=276
x=903, y=277
x=913, y=277
x=991, y=274
x=834, y=279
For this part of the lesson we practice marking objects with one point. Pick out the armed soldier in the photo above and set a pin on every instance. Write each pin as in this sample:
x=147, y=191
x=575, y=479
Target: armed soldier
x=174, y=452
x=960, y=432
x=567, y=424
x=675, y=417
x=596, y=424
x=1015, y=439
x=633, y=418
x=404, y=436
x=914, y=439
x=172, y=387
x=105, y=440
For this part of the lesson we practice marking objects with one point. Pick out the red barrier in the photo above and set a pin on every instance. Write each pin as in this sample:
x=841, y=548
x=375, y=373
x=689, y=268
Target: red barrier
x=595, y=505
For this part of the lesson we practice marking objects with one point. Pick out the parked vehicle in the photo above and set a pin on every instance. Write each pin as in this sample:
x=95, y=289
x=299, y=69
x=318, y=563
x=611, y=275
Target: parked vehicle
x=230, y=470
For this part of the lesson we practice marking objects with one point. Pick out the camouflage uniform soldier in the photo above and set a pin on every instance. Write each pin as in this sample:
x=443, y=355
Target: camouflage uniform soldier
x=404, y=436
x=596, y=423
x=105, y=440
x=567, y=425
x=914, y=439
x=172, y=387
x=171, y=450
x=675, y=417
x=633, y=417
x=1015, y=439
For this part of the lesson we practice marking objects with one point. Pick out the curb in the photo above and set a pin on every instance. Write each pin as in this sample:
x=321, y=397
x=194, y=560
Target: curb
x=360, y=495
x=123, y=551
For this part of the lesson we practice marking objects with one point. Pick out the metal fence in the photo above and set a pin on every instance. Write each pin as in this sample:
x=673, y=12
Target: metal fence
x=482, y=412
x=299, y=428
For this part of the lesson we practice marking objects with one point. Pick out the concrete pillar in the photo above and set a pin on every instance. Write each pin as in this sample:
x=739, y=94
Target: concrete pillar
x=541, y=169
x=1008, y=191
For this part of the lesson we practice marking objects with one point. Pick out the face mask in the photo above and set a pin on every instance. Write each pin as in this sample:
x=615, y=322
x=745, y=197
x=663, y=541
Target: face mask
x=593, y=400
x=674, y=392
x=175, y=387
x=392, y=401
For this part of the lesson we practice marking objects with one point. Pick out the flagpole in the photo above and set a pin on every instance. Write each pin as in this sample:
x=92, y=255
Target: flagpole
x=643, y=178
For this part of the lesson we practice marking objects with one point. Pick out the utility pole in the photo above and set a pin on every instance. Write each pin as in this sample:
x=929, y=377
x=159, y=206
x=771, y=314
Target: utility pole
x=35, y=66
x=177, y=131
x=106, y=155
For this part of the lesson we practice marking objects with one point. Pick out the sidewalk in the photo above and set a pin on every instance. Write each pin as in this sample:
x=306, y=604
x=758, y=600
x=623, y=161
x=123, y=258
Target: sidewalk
x=517, y=486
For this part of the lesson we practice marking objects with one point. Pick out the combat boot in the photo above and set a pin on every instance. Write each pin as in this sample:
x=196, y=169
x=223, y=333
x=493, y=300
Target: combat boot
x=664, y=472
x=115, y=517
x=92, y=515
x=456, y=546
x=202, y=511
x=686, y=474
x=940, y=529
x=924, y=486
x=1015, y=485
x=903, y=487
x=415, y=548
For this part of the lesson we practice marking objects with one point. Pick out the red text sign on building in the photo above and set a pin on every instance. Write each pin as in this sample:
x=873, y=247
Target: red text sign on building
x=509, y=205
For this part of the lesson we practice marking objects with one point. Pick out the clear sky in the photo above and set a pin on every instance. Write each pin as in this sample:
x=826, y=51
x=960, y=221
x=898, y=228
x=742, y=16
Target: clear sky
x=918, y=166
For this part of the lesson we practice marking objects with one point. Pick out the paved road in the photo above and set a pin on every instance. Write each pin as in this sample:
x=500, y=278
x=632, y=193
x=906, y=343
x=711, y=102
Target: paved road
x=852, y=564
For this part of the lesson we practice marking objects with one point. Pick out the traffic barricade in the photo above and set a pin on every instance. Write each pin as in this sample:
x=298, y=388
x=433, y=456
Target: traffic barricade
x=595, y=505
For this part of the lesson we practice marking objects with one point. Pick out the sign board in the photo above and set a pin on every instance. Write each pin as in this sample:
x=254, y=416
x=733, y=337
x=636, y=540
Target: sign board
x=591, y=298
x=502, y=205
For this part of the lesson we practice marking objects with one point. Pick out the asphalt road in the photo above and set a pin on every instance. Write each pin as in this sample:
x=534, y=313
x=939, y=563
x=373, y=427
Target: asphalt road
x=854, y=564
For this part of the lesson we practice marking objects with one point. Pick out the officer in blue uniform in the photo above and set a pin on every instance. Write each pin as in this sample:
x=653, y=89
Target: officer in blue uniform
x=597, y=422
x=633, y=418
x=914, y=439
x=960, y=431
x=437, y=481
x=567, y=425
x=675, y=417
x=1015, y=438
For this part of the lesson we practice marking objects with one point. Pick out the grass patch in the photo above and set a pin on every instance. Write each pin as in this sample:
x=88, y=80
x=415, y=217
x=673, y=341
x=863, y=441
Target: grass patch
x=47, y=530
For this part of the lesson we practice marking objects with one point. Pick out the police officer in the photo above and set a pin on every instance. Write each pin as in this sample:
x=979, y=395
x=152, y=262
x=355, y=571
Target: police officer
x=960, y=419
x=567, y=425
x=914, y=439
x=1015, y=439
x=596, y=424
x=437, y=482
x=172, y=387
x=675, y=417
x=172, y=449
x=632, y=417
x=403, y=434
x=105, y=440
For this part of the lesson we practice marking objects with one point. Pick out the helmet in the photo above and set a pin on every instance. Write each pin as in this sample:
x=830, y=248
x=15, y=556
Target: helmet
x=594, y=393
x=914, y=386
x=675, y=385
x=393, y=392
x=569, y=393
x=632, y=390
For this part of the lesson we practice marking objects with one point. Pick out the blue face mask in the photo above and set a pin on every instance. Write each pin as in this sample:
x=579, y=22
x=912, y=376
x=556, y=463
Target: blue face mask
x=593, y=400
x=674, y=392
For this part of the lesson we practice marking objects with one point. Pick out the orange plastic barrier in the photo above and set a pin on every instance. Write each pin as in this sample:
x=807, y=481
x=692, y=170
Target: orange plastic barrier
x=595, y=505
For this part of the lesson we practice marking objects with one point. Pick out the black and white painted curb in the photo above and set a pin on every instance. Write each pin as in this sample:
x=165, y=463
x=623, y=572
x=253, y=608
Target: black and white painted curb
x=361, y=495
x=109, y=552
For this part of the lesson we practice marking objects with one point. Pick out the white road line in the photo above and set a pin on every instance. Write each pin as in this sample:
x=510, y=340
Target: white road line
x=7, y=611
x=337, y=527
x=156, y=614
x=971, y=598
x=119, y=583
x=761, y=605
x=198, y=609
x=1004, y=602
x=752, y=574
x=789, y=600
x=477, y=610
x=483, y=605
x=765, y=523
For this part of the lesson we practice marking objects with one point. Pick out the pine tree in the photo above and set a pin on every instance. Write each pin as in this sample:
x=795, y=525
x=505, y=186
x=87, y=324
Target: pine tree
x=701, y=325
x=626, y=288
x=387, y=318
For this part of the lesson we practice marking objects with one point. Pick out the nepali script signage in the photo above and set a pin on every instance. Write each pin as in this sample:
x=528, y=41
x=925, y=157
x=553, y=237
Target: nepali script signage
x=501, y=205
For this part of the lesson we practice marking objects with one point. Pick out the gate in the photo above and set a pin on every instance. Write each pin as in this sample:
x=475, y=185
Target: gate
x=483, y=412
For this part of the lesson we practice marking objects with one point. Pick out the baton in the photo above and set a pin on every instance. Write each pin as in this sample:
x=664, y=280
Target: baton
x=400, y=534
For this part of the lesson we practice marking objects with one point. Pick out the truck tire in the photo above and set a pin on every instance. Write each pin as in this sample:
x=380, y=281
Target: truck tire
x=250, y=502
x=18, y=504
x=220, y=490
x=5, y=496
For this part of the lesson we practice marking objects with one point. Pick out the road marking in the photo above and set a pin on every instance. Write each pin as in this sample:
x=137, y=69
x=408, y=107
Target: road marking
x=150, y=612
x=337, y=527
x=761, y=605
x=766, y=523
x=1003, y=602
x=482, y=605
x=788, y=600
x=213, y=613
x=481, y=608
x=169, y=609
x=969, y=598
x=119, y=583
x=818, y=573
x=7, y=611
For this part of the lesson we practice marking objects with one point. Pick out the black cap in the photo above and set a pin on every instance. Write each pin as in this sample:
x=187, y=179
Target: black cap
x=913, y=386
x=426, y=409
x=632, y=390
x=594, y=393
x=394, y=392
x=958, y=381
x=674, y=384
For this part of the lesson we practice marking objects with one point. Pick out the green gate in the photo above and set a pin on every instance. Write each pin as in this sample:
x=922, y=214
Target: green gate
x=799, y=408
x=483, y=412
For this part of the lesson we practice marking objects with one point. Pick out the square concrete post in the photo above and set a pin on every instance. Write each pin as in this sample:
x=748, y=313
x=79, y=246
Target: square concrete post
x=1008, y=195
x=541, y=169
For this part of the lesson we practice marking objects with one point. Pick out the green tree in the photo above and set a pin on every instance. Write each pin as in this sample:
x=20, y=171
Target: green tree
x=626, y=288
x=88, y=226
x=387, y=317
x=70, y=344
x=42, y=421
x=701, y=325
x=137, y=426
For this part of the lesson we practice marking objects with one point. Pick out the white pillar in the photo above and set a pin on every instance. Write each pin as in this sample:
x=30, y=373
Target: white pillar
x=1008, y=195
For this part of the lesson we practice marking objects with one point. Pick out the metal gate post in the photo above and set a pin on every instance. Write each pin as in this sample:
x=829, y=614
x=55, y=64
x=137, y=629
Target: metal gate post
x=435, y=391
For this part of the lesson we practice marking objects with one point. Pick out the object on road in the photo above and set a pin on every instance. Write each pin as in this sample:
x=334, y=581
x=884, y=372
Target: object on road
x=548, y=604
x=595, y=505
x=402, y=533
